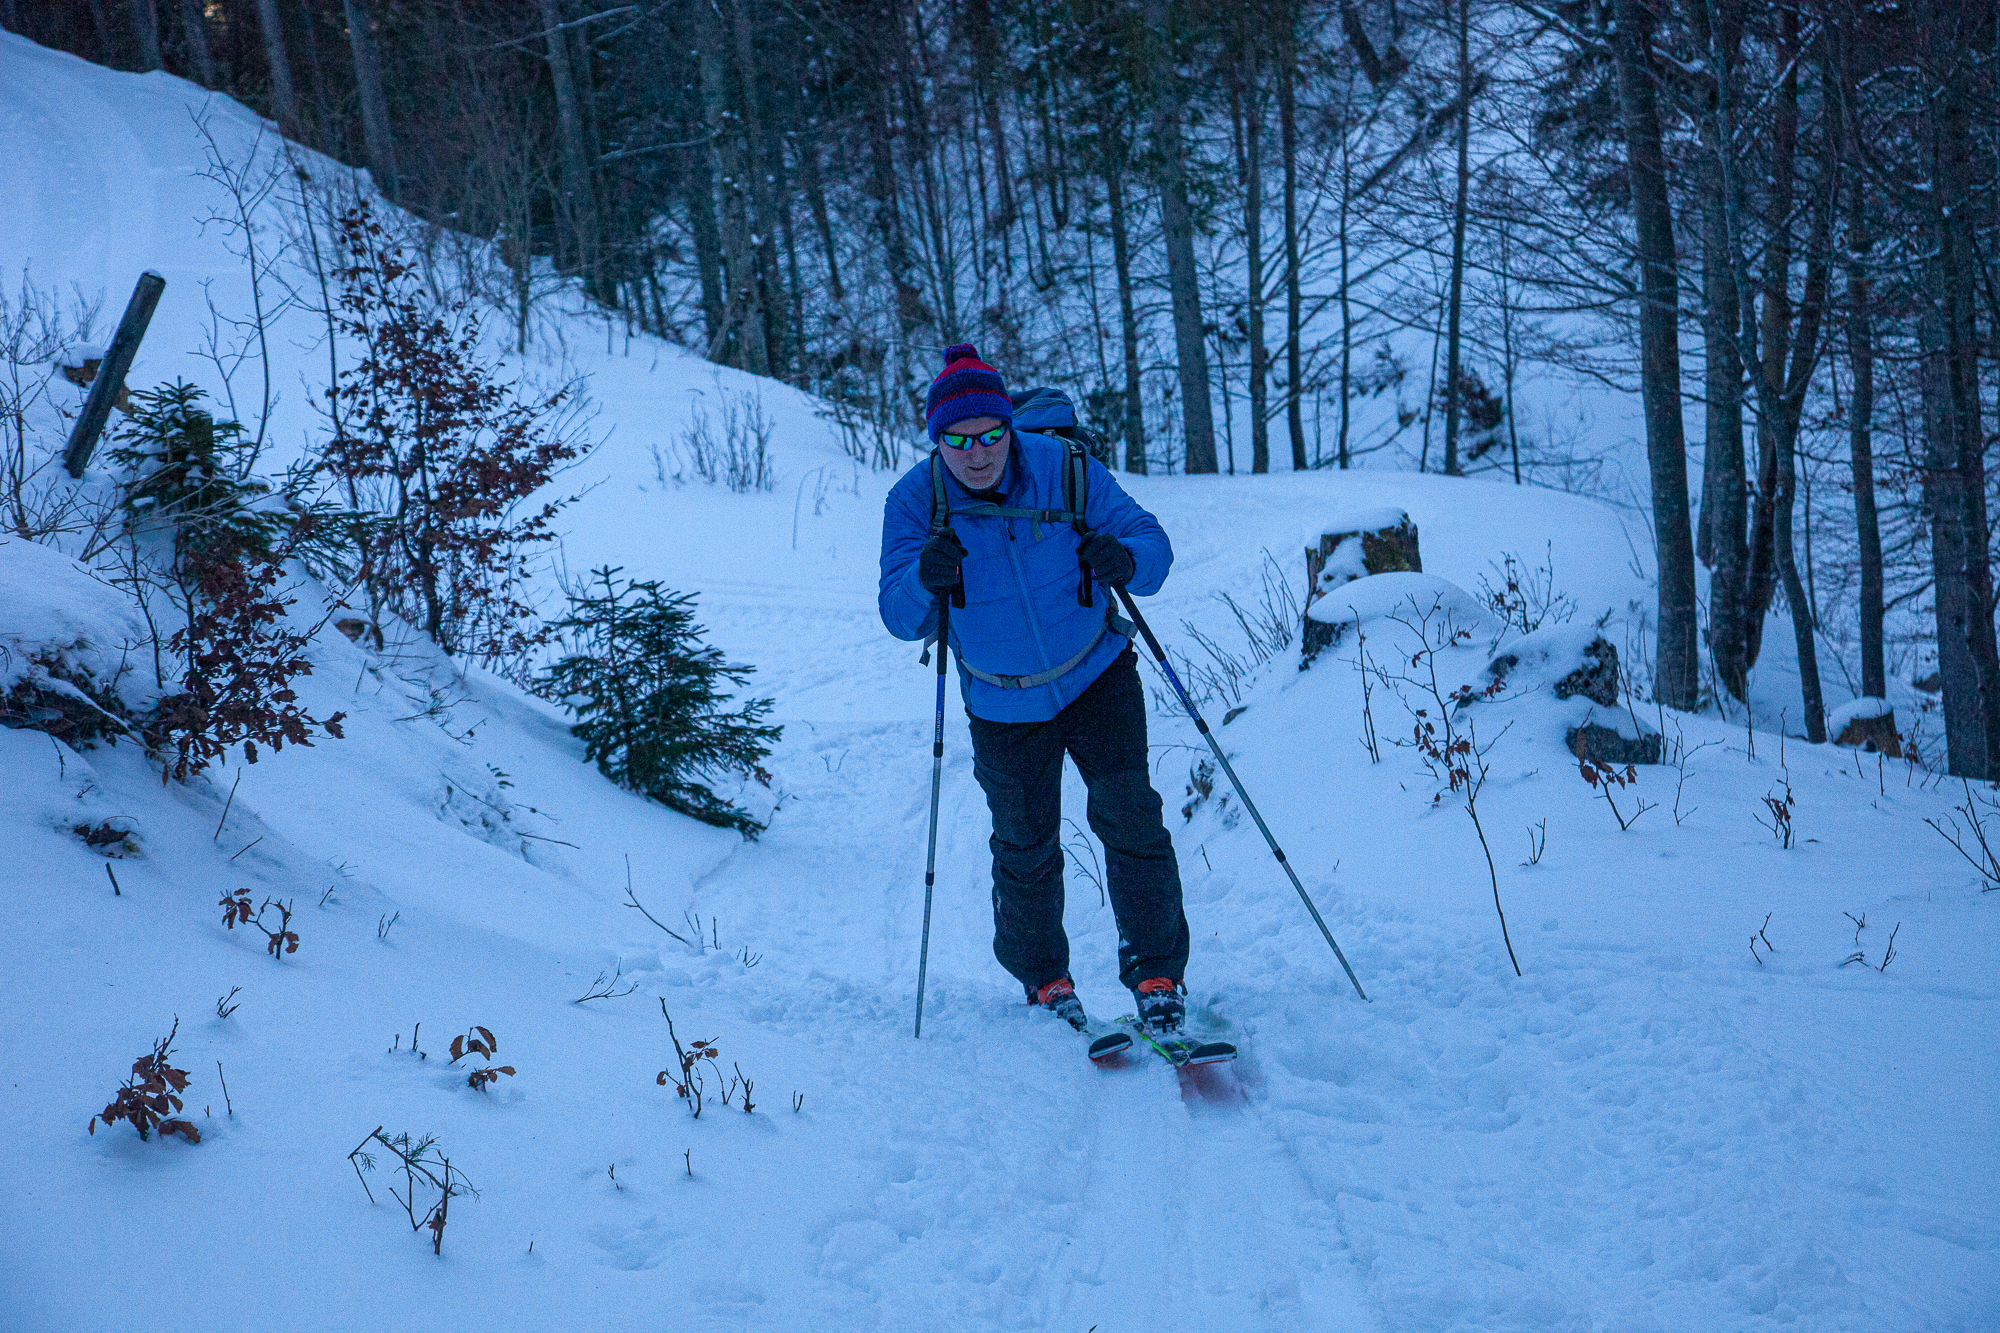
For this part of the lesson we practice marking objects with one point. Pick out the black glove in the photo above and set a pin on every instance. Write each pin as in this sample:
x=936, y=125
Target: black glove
x=937, y=564
x=1108, y=559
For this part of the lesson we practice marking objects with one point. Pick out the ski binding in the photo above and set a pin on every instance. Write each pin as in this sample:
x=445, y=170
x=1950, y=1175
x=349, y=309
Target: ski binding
x=1183, y=1052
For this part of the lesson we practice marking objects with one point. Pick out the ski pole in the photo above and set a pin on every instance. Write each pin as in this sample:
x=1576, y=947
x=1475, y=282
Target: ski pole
x=1201, y=725
x=937, y=777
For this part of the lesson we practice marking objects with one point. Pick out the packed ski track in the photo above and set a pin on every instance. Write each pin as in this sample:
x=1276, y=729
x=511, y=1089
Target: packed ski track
x=1027, y=1188
x=1653, y=1128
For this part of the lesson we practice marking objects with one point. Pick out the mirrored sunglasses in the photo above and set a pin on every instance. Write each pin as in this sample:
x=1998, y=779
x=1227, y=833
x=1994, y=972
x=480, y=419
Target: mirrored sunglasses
x=989, y=438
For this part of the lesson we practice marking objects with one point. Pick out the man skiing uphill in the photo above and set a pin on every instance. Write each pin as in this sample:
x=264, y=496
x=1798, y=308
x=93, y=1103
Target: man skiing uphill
x=1014, y=527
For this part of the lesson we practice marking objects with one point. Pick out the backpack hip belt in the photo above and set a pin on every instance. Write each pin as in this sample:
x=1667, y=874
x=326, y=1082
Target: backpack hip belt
x=1113, y=624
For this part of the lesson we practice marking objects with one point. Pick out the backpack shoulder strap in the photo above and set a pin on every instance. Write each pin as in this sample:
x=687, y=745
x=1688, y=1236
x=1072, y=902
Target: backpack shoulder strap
x=1076, y=483
x=940, y=508
x=1076, y=491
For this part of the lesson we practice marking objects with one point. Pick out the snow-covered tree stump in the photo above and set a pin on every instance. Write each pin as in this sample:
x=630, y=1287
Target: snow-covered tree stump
x=1868, y=724
x=1354, y=544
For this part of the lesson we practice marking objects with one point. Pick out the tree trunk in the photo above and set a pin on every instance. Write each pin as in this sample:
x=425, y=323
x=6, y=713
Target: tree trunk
x=741, y=339
x=374, y=105
x=1113, y=152
x=1509, y=362
x=1177, y=224
x=822, y=220
x=1253, y=240
x=194, y=35
x=146, y=26
x=576, y=176
x=1677, y=678
x=1805, y=353
x=311, y=75
x=986, y=46
x=1725, y=480
x=1381, y=70
x=283, y=100
x=795, y=343
x=1861, y=407
x=1453, y=396
x=757, y=158
x=911, y=313
x=1781, y=391
x=1954, y=474
x=1294, y=297
x=698, y=194
x=1766, y=356
x=923, y=161
x=1346, y=312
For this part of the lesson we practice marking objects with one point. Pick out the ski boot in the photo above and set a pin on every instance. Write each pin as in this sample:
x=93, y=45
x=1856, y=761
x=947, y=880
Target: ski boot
x=1059, y=998
x=1161, y=1003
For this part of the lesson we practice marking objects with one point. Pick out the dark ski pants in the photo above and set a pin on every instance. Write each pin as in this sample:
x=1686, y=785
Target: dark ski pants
x=1019, y=764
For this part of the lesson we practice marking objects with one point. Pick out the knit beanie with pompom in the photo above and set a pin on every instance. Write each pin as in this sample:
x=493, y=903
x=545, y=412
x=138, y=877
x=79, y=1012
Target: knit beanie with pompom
x=967, y=387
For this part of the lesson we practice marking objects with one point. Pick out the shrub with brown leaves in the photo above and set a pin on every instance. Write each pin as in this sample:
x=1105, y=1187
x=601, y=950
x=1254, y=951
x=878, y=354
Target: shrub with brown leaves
x=441, y=452
x=219, y=540
x=689, y=1084
x=153, y=1091
x=240, y=659
x=236, y=911
x=479, y=1041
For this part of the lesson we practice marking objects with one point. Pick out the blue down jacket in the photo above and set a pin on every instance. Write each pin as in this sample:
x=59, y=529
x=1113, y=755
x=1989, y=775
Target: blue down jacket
x=1020, y=616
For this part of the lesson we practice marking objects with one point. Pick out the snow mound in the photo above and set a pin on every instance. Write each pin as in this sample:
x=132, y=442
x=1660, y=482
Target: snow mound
x=49, y=603
x=1408, y=595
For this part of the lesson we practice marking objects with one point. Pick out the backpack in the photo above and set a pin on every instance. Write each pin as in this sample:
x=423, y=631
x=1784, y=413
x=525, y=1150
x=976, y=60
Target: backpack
x=1049, y=411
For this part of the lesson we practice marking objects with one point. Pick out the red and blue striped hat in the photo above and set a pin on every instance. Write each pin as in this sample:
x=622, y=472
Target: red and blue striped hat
x=966, y=387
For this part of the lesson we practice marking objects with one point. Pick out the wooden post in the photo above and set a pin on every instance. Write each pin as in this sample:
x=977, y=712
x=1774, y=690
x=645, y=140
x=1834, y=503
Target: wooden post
x=111, y=372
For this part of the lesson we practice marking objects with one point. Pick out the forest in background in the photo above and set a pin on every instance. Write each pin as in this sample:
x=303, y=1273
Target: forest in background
x=1247, y=235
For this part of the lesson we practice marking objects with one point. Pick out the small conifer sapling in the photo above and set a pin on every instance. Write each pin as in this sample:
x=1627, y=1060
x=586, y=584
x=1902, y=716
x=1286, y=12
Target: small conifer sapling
x=649, y=698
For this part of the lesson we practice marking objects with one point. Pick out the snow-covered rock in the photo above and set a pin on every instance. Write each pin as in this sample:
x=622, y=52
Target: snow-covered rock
x=1571, y=659
x=1565, y=678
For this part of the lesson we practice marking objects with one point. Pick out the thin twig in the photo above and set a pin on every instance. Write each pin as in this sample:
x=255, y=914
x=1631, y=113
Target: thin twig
x=371, y=1136
x=225, y=1091
x=632, y=900
x=225, y=807
x=600, y=989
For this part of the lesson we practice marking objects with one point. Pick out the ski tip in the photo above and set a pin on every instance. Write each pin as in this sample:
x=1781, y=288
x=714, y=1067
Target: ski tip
x=1211, y=1053
x=1106, y=1047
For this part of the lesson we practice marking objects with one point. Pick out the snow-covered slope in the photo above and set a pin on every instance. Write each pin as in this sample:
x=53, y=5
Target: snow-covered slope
x=1653, y=1128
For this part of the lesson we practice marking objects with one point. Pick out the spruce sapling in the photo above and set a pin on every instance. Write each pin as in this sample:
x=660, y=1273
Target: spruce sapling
x=648, y=697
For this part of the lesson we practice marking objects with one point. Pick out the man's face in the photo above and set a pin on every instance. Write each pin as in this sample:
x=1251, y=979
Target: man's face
x=979, y=466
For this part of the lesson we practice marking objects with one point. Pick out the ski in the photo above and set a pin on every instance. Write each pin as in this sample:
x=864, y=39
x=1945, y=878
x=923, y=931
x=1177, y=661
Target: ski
x=1105, y=1045
x=1182, y=1052
x=1104, y=1042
